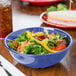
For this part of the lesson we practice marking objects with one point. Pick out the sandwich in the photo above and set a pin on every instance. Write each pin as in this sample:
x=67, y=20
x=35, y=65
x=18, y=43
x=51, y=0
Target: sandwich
x=67, y=18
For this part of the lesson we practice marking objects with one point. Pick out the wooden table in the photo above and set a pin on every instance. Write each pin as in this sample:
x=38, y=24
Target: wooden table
x=67, y=67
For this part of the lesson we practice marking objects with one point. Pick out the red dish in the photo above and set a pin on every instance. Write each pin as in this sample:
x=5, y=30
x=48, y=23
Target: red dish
x=41, y=2
x=44, y=19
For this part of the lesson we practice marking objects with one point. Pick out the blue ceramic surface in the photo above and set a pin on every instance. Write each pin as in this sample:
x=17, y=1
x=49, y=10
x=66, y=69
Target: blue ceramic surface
x=38, y=61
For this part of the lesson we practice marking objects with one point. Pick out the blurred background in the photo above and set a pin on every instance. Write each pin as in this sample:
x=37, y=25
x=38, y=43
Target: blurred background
x=26, y=14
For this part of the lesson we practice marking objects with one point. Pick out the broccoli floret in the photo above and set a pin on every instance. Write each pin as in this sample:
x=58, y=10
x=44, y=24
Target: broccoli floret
x=52, y=8
x=61, y=7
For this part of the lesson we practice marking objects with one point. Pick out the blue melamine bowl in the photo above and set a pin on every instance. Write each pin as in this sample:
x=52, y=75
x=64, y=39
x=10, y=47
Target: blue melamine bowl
x=38, y=61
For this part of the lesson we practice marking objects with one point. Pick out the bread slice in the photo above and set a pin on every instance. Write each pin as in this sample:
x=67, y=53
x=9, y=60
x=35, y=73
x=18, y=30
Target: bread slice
x=67, y=18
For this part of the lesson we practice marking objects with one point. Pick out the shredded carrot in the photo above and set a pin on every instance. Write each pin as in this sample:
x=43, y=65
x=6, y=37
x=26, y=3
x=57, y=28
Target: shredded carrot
x=19, y=49
x=25, y=43
x=32, y=32
x=51, y=36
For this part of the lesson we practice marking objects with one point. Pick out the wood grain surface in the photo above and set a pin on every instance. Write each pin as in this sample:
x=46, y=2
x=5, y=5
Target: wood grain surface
x=67, y=67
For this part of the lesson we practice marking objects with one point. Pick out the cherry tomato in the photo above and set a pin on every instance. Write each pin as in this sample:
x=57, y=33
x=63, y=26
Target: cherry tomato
x=15, y=43
x=41, y=37
x=60, y=47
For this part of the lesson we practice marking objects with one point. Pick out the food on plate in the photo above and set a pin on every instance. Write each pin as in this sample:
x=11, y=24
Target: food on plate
x=59, y=7
x=62, y=17
x=52, y=8
x=39, y=43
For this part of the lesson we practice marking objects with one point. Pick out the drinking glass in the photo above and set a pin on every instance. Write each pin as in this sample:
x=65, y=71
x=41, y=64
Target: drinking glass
x=5, y=18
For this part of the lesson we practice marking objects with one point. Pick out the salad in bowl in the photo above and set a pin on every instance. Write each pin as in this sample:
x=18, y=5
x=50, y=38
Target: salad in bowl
x=39, y=43
x=38, y=47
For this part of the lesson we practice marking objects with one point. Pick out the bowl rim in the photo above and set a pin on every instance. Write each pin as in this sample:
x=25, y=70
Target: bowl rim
x=48, y=28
